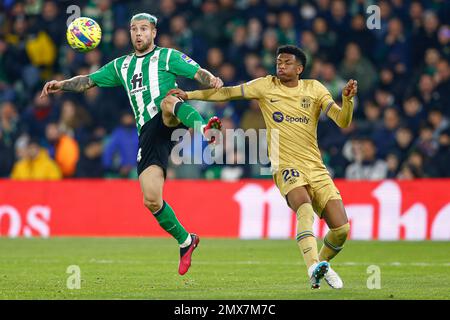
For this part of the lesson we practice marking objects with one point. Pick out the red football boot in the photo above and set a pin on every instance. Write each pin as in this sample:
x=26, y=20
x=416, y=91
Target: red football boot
x=186, y=253
x=213, y=123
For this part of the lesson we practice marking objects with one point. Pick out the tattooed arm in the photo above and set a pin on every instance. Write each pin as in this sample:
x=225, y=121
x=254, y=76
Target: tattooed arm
x=205, y=78
x=75, y=84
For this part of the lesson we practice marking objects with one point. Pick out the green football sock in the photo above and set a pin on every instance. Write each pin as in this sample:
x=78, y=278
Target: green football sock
x=188, y=115
x=169, y=222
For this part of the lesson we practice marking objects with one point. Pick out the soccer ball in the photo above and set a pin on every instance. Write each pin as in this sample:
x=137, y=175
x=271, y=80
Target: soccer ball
x=84, y=34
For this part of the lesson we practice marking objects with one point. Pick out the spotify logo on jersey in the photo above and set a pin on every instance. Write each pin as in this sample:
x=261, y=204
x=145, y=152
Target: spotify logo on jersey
x=278, y=116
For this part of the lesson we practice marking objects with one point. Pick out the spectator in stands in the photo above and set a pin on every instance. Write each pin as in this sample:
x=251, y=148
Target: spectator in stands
x=442, y=79
x=361, y=35
x=209, y=23
x=326, y=38
x=37, y=165
x=182, y=35
x=90, y=164
x=6, y=72
x=355, y=66
x=438, y=122
x=73, y=119
x=51, y=21
x=414, y=113
x=340, y=23
x=38, y=115
x=252, y=62
x=369, y=167
x=254, y=34
x=102, y=12
x=9, y=123
x=121, y=41
x=425, y=142
x=426, y=37
x=393, y=164
x=441, y=161
x=238, y=46
x=384, y=137
x=393, y=49
x=287, y=34
x=426, y=91
x=384, y=98
x=393, y=83
x=214, y=59
x=227, y=73
x=432, y=58
x=332, y=81
x=408, y=172
x=418, y=162
x=444, y=40
x=252, y=118
x=270, y=45
x=403, y=142
x=120, y=153
x=371, y=121
x=9, y=132
x=20, y=67
x=63, y=149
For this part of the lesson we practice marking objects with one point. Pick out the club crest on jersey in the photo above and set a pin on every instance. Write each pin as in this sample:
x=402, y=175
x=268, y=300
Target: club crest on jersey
x=137, y=83
x=153, y=59
x=306, y=102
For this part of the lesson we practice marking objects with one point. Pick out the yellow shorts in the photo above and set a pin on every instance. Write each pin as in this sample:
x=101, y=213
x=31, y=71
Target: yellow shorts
x=318, y=184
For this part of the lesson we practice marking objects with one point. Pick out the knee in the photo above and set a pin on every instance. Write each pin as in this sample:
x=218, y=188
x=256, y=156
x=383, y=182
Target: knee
x=342, y=231
x=152, y=203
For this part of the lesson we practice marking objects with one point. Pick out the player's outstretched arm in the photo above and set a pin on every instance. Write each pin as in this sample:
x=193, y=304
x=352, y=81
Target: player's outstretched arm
x=343, y=116
x=75, y=84
x=207, y=79
x=222, y=94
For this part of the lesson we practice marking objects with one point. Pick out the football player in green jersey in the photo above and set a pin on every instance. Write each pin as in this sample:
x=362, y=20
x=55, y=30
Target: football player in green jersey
x=147, y=75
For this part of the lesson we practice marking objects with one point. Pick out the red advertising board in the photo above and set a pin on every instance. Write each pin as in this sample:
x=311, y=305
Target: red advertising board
x=247, y=209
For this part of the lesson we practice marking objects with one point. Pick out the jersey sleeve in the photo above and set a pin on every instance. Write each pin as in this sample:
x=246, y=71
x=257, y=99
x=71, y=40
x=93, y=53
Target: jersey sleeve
x=254, y=89
x=325, y=101
x=182, y=65
x=106, y=76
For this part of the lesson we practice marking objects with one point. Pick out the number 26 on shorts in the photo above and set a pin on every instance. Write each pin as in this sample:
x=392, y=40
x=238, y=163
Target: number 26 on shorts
x=289, y=173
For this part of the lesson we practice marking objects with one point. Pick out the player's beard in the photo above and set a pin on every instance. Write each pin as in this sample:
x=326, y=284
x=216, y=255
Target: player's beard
x=143, y=46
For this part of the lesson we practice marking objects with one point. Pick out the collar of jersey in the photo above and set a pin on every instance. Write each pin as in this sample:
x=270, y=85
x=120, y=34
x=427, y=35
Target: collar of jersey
x=290, y=88
x=146, y=53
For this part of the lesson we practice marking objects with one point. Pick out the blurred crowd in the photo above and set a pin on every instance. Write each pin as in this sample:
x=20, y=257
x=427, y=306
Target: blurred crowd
x=400, y=127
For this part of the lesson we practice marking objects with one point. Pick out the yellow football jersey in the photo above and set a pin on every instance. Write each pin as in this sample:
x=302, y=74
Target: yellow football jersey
x=294, y=112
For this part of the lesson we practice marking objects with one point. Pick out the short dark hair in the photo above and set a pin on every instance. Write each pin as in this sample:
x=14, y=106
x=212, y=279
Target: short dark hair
x=296, y=51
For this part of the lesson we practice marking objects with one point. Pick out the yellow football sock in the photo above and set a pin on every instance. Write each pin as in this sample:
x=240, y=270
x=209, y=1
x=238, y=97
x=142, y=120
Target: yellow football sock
x=334, y=242
x=305, y=236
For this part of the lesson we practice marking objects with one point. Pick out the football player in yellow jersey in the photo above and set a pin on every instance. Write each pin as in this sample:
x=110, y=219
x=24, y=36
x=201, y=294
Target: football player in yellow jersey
x=292, y=106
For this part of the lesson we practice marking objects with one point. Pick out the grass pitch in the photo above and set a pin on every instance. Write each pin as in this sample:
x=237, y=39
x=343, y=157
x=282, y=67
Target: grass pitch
x=146, y=268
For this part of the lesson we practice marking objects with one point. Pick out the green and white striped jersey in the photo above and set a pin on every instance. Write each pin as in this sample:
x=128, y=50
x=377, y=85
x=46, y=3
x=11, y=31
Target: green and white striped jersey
x=146, y=78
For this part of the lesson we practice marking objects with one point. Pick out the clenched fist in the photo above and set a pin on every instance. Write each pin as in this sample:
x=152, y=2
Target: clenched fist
x=350, y=89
